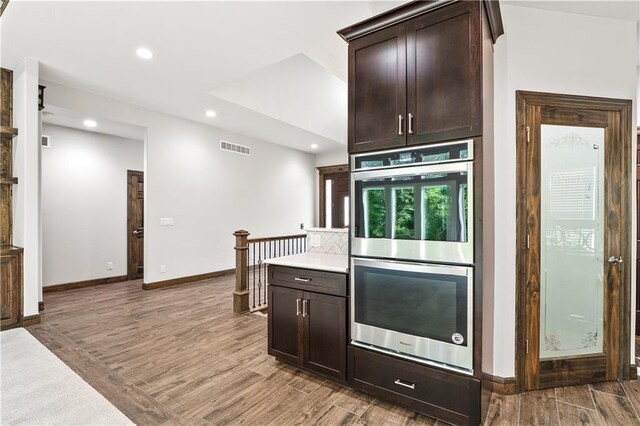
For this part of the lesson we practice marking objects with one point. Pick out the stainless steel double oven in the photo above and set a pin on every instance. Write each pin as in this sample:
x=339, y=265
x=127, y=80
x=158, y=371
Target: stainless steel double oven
x=411, y=253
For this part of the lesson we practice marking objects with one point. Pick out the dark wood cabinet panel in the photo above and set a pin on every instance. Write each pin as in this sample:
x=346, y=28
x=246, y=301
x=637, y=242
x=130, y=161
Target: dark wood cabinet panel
x=447, y=396
x=308, y=280
x=377, y=90
x=325, y=334
x=444, y=83
x=306, y=328
x=284, y=323
x=11, y=288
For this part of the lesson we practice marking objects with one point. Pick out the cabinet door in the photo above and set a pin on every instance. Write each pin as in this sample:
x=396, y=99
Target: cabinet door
x=325, y=334
x=285, y=323
x=10, y=290
x=444, y=74
x=377, y=90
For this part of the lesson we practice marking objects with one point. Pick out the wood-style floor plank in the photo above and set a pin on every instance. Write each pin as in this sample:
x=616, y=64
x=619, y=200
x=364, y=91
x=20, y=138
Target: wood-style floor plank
x=180, y=356
x=576, y=395
x=615, y=410
x=539, y=408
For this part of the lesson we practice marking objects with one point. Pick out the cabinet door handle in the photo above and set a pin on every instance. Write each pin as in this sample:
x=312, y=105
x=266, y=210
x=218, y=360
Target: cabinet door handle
x=305, y=308
x=302, y=280
x=298, y=310
x=400, y=125
x=410, y=123
x=405, y=384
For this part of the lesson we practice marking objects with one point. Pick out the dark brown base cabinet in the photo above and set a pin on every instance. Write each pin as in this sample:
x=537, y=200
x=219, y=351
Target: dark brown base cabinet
x=306, y=328
x=436, y=393
x=10, y=287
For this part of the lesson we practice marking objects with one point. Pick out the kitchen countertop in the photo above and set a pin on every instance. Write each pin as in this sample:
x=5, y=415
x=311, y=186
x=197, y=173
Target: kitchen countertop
x=317, y=261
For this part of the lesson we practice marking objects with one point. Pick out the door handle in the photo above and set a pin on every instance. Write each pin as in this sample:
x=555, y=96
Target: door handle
x=400, y=125
x=401, y=382
x=410, y=123
x=305, y=308
x=138, y=231
x=298, y=310
x=612, y=260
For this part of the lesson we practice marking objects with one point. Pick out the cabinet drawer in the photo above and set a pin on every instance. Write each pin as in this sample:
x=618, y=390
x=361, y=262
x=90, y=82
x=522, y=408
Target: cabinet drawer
x=436, y=393
x=308, y=280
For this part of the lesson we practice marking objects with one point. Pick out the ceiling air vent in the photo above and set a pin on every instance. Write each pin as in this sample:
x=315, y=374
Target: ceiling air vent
x=233, y=147
x=46, y=141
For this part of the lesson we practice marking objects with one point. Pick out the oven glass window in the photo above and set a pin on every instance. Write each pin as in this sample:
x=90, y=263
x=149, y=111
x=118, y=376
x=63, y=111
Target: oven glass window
x=419, y=304
x=431, y=206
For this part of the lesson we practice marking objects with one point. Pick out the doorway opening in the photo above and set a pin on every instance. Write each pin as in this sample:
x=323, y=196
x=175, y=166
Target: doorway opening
x=334, y=196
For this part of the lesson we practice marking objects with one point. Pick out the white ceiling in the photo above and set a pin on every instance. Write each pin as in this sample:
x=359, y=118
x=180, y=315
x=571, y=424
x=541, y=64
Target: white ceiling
x=75, y=119
x=273, y=70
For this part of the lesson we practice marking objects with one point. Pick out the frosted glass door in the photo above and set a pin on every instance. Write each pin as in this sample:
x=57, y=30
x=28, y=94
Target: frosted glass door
x=572, y=241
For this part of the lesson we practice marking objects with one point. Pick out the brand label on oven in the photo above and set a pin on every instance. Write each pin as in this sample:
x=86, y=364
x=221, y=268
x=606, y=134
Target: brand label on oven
x=457, y=338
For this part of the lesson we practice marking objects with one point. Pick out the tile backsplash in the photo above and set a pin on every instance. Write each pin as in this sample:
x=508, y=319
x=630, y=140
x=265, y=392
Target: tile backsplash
x=326, y=240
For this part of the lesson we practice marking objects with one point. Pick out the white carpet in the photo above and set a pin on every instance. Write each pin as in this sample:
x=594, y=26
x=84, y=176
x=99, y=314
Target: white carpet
x=36, y=388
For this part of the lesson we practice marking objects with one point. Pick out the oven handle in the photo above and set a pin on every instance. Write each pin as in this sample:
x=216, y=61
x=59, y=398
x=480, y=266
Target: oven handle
x=463, y=166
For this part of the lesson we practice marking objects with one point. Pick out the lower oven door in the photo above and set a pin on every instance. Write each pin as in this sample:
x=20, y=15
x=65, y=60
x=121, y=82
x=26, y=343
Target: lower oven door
x=417, y=311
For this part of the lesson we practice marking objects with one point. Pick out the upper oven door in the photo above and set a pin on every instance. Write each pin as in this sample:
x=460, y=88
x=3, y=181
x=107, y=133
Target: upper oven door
x=414, y=213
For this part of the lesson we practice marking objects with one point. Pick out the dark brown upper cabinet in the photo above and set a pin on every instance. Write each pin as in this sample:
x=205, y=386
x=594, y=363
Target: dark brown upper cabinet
x=418, y=81
x=378, y=90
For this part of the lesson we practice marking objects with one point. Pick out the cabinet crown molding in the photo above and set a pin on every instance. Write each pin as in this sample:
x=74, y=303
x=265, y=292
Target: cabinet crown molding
x=413, y=9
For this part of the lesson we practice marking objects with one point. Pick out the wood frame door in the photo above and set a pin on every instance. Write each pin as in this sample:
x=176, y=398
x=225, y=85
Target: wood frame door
x=135, y=224
x=533, y=110
x=324, y=173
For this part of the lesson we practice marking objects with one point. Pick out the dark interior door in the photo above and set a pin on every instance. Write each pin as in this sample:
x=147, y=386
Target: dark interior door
x=573, y=218
x=339, y=199
x=135, y=224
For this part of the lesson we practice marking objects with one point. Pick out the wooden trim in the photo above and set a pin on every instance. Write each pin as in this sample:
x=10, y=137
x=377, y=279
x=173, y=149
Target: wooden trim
x=322, y=172
x=633, y=372
x=413, y=9
x=537, y=100
x=267, y=239
x=500, y=385
x=494, y=19
x=82, y=284
x=31, y=320
x=8, y=131
x=187, y=280
x=40, y=306
x=4, y=5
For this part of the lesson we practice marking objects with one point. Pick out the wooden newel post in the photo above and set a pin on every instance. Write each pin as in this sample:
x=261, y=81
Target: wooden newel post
x=241, y=294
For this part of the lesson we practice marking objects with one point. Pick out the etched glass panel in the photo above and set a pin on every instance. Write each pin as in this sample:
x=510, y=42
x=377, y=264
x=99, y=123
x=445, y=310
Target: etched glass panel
x=572, y=241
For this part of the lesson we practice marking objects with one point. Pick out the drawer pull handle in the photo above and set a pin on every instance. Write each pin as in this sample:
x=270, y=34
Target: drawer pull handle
x=298, y=303
x=405, y=384
x=302, y=280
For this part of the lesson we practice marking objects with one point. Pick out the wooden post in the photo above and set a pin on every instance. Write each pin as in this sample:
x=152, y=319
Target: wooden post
x=241, y=294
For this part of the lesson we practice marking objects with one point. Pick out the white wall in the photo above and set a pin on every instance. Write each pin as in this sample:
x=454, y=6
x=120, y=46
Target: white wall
x=556, y=52
x=209, y=193
x=84, y=203
x=26, y=195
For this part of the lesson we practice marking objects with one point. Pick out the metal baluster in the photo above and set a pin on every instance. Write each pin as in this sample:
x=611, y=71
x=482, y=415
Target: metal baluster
x=260, y=274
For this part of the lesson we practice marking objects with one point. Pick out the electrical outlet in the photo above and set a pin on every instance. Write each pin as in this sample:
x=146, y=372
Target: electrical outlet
x=109, y=266
x=163, y=269
x=302, y=226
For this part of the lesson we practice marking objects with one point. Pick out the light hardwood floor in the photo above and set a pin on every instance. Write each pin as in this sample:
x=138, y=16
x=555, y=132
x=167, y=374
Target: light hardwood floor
x=178, y=356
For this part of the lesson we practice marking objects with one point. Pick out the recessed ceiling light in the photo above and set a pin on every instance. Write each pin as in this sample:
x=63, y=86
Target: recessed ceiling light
x=210, y=113
x=90, y=123
x=314, y=146
x=144, y=53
